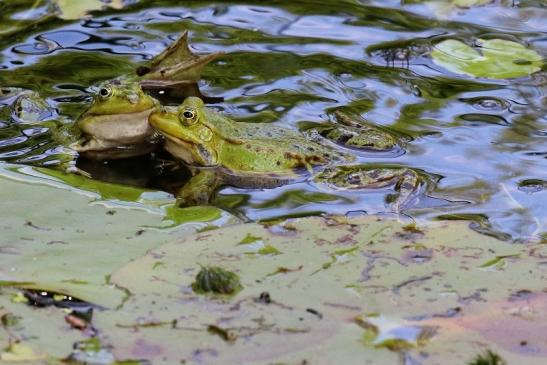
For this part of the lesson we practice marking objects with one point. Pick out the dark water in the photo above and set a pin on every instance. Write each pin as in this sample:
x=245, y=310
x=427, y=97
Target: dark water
x=483, y=141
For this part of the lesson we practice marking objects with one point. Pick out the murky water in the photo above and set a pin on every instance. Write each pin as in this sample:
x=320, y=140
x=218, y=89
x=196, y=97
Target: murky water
x=483, y=142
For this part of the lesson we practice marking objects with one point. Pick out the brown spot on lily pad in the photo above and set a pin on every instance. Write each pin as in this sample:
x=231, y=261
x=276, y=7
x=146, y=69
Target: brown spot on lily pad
x=146, y=349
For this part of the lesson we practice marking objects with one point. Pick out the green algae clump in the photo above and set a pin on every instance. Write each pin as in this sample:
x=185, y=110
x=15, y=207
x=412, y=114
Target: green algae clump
x=216, y=280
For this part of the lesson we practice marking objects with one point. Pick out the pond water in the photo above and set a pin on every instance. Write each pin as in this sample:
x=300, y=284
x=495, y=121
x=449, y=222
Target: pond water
x=483, y=142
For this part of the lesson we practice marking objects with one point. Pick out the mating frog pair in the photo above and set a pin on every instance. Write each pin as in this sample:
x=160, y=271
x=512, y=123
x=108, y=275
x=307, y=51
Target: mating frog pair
x=222, y=151
x=124, y=121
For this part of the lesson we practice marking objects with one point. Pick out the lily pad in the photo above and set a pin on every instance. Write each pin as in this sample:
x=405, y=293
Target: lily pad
x=361, y=288
x=492, y=58
x=470, y=3
x=70, y=9
x=335, y=289
x=69, y=239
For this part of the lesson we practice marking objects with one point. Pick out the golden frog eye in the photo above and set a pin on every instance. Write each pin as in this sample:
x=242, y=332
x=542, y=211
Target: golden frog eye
x=105, y=92
x=188, y=116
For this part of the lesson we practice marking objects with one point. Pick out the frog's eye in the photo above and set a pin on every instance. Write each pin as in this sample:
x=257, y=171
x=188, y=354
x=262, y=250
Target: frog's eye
x=188, y=116
x=105, y=92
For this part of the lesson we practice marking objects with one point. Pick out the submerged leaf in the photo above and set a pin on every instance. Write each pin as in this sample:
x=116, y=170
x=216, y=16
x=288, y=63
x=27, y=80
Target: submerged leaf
x=202, y=213
x=106, y=190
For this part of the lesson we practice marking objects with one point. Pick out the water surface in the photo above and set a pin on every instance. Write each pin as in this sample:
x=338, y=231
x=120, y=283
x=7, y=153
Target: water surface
x=483, y=141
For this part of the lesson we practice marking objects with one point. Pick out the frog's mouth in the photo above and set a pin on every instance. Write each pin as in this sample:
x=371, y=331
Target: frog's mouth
x=190, y=149
x=192, y=154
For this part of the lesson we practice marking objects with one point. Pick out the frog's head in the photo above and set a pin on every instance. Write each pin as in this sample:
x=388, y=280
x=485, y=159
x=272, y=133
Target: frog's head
x=118, y=97
x=117, y=116
x=188, y=133
x=26, y=106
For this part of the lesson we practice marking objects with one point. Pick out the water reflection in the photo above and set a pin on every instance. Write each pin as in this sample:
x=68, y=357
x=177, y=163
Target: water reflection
x=290, y=62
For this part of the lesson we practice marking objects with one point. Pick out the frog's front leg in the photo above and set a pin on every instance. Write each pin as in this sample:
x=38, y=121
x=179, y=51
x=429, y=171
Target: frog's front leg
x=407, y=188
x=199, y=189
x=67, y=163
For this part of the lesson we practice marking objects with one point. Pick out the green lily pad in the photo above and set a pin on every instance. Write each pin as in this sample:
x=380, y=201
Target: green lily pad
x=492, y=58
x=107, y=191
x=69, y=9
x=69, y=239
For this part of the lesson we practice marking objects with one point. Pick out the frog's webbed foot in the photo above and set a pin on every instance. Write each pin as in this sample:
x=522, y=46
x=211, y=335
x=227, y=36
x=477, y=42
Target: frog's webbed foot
x=67, y=162
x=86, y=144
x=70, y=168
x=77, y=171
x=199, y=189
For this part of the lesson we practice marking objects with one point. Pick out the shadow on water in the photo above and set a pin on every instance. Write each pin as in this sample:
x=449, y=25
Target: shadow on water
x=295, y=62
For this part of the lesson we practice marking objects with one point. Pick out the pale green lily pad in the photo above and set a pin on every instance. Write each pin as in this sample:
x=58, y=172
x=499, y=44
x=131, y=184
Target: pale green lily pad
x=337, y=289
x=422, y=291
x=71, y=9
x=493, y=58
x=470, y=3
x=448, y=9
x=69, y=239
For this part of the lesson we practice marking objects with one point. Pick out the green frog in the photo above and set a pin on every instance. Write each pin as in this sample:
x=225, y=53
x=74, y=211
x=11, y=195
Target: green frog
x=116, y=123
x=407, y=182
x=250, y=155
x=25, y=110
x=24, y=106
x=356, y=133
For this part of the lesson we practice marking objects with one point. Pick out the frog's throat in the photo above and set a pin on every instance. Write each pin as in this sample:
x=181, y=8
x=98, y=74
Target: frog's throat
x=116, y=129
x=98, y=150
x=192, y=154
